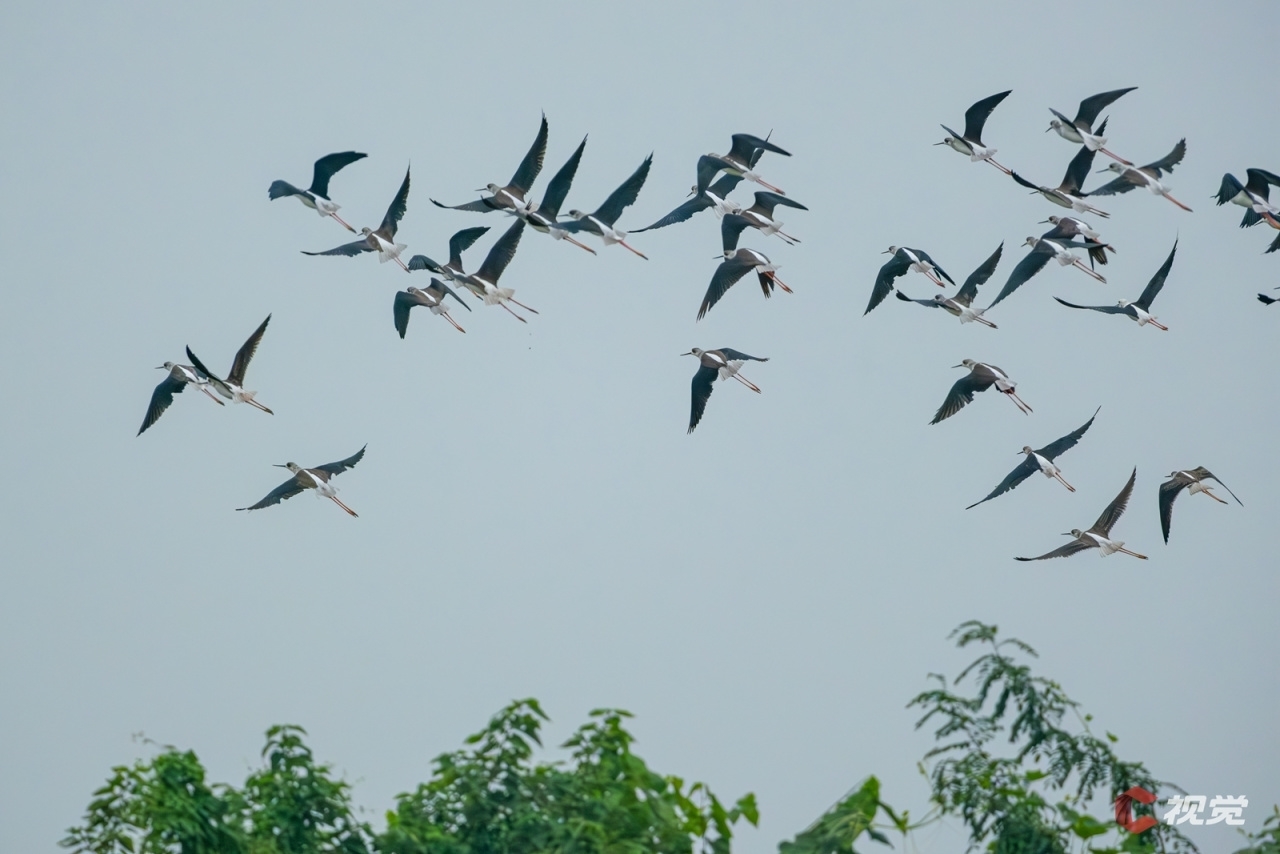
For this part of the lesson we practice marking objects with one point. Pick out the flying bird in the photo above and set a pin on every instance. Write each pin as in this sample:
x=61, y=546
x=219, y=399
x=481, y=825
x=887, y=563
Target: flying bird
x=542, y=217
x=961, y=305
x=381, y=241
x=232, y=388
x=1144, y=176
x=1099, y=536
x=981, y=377
x=722, y=363
x=760, y=215
x=1193, y=481
x=450, y=271
x=1266, y=300
x=513, y=196
x=740, y=160
x=1069, y=194
x=903, y=261
x=1080, y=129
x=1139, y=309
x=484, y=282
x=1040, y=460
x=1070, y=227
x=601, y=221
x=432, y=296
x=318, y=478
x=316, y=196
x=177, y=378
x=970, y=142
x=1253, y=194
x=711, y=197
x=736, y=264
x=1042, y=250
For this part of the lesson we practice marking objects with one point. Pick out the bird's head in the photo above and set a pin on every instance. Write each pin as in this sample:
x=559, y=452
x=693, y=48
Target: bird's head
x=1031, y=241
x=1026, y=449
x=1054, y=124
x=1074, y=532
x=966, y=363
x=892, y=250
x=577, y=214
x=1113, y=166
x=693, y=191
x=366, y=231
x=1123, y=303
x=492, y=188
x=940, y=298
x=167, y=366
x=949, y=140
x=696, y=351
x=417, y=292
x=1055, y=219
x=293, y=467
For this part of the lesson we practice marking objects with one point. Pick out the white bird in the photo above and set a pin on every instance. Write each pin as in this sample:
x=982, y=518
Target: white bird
x=232, y=388
x=381, y=241
x=1193, y=481
x=1099, y=536
x=1144, y=176
x=1080, y=129
x=970, y=142
x=316, y=196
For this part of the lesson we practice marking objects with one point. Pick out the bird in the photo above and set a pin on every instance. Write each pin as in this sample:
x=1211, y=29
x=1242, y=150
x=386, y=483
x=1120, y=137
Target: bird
x=232, y=388
x=1099, y=536
x=543, y=215
x=722, y=363
x=760, y=215
x=740, y=160
x=381, y=241
x=1080, y=129
x=317, y=478
x=1070, y=194
x=970, y=142
x=736, y=264
x=1040, y=460
x=513, y=196
x=459, y=243
x=601, y=221
x=711, y=197
x=1144, y=176
x=1266, y=300
x=432, y=296
x=1070, y=227
x=981, y=377
x=1140, y=308
x=903, y=261
x=316, y=196
x=961, y=305
x=484, y=282
x=1253, y=194
x=1042, y=250
x=1192, y=480
x=175, y=381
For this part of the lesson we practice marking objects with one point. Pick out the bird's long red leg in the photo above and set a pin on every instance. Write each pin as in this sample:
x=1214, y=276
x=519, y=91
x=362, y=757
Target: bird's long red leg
x=401, y=263
x=335, y=500
x=1094, y=273
x=1214, y=497
x=1116, y=157
x=748, y=383
x=344, y=224
x=446, y=316
x=252, y=402
x=768, y=186
x=983, y=320
x=933, y=277
x=786, y=236
x=1063, y=481
x=779, y=283
x=512, y=313
x=1003, y=169
x=1135, y=554
x=1019, y=402
x=1158, y=325
x=211, y=397
x=1176, y=202
x=633, y=249
x=522, y=305
x=579, y=245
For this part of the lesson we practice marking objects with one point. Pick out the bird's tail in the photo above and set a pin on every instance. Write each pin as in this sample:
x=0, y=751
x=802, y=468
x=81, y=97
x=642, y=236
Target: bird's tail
x=498, y=295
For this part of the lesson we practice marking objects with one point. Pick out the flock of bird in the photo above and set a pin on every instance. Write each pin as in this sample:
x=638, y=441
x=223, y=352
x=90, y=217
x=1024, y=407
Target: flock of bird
x=717, y=176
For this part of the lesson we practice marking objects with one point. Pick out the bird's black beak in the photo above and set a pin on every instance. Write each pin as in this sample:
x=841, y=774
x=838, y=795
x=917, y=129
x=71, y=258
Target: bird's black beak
x=1100, y=171
x=944, y=142
x=160, y=367
x=280, y=465
x=690, y=353
x=1049, y=128
x=957, y=366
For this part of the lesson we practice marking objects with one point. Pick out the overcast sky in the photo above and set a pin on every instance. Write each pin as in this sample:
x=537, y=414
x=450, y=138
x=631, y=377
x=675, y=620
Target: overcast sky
x=766, y=594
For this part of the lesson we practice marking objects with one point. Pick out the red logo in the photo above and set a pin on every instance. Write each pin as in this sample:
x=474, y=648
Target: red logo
x=1124, y=810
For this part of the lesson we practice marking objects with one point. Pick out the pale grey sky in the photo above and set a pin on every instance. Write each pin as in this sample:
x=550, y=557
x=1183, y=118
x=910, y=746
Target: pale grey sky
x=765, y=594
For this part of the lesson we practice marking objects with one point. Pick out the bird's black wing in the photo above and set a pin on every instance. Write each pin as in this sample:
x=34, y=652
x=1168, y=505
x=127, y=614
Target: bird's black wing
x=1023, y=271
x=532, y=163
x=199, y=366
x=350, y=250
x=1094, y=104
x=243, y=356
x=625, y=196
x=745, y=146
x=422, y=262
x=502, y=252
x=1060, y=446
x=1170, y=160
x=288, y=489
x=900, y=295
x=342, y=465
x=729, y=272
x=708, y=166
x=960, y=395
x=1259, y=179
x=1157, y=281
x=1275, y=244
x=326, y=167
x=731, y=230
x=1227, y=190
x=161, y=399
x=400, y=311
x=1112, y=188
x=478, y=206
x=1024, y=182
x=1168, y=494
x=395, y=212
x=1021, y=472
x=766, y=201
x=700, y=202
x=978, y=277
x=1105, y=309
x=448, y=290
x=1204, y=474
x=280, y=189
x=1115, y=509
x=896, y=266
x=941, y=272
x=976, y=116
x=1077, y=170
x=1073, y=547
x=702, y=385
x=739, y=356
x=558, y=189
x=461, y=242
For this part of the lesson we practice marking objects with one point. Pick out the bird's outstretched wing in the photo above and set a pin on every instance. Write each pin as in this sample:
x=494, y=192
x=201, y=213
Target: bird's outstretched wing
x=1021, y=472
x=700, y=202
x=288, y=489
x=739, y=356
x=976, y=116
x=199, y=366
x=978, y=277
x=725, y=276
x=350, y=250
x=708, y=166
x=1114, y=187
x=531, y=165
x=342, y=465
x=422, y=262
x=1060, y=446
x=892, y=269
x=1078, y=168
x=326, y=167
x=1157, y=281
x=461, y=242
x=626, y=194
x=745, y=146
x=478, y=206
x=395, y=212
x=1170, y=160
x=766, y=201
x=731, y=230
x=926, y=302
x=1024, y=182
x=400, y=311
x=558, y=189
x=701, y=387
x=1115, y=509
x=961, y=394
x=280, y=189
x=450, y=291
x=501, y=253
x=1227, y=190
x=1105, y=309
x=1026, y=268
x=1094, y=104
x=1069, y=549
x=1204, y=474
x=1168, y=494
x=161, y=399
x=244, y=355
